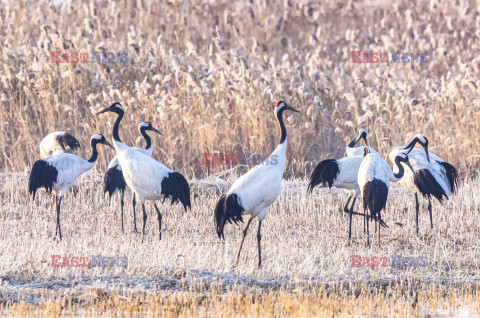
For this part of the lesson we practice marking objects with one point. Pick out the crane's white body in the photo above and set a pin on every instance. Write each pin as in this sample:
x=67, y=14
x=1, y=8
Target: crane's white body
x=50, y=146
x=114, y=162
x=69, y=168
x=347, y=178
x=419, y=161
x=374, y=167
x=142, y=173
x=260, y=186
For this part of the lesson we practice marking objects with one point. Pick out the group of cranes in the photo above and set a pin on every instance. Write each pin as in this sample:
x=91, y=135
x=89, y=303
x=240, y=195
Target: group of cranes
x=363, y=172
x=147, y=178
x=369, y=175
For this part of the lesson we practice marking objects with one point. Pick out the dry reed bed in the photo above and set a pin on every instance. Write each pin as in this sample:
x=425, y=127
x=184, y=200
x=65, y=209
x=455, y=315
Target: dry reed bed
x=394, y=300
x=208, y=74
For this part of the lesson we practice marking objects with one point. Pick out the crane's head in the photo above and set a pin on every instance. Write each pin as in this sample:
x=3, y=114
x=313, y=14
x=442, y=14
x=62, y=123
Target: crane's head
x=403, y=157
x=362, y=134
x=281, y=106
x=147, y=126
x=100, y=139
x=115, y=108
x=422, y=140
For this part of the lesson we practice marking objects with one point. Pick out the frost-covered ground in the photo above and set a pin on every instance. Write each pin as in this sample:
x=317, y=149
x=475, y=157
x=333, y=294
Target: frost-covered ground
x=304, y=240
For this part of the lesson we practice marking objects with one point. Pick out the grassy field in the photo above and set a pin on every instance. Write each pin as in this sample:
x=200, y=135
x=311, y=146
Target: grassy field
x=307, y=258
x=208, y=74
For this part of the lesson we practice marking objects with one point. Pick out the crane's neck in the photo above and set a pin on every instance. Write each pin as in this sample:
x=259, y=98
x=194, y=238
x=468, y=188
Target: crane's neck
x=353, y=143
x=94, y=156
x=282, y=126
x=116, y=136
x=401, y=170
x=143, y=131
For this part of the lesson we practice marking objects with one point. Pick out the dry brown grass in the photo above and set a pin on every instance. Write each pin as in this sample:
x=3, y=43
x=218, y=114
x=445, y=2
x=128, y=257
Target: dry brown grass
x=208, y=75
x=306, y=255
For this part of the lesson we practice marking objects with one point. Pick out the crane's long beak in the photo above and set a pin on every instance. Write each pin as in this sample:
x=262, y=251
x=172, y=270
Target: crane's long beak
x=426, y=153
x=410, y=166
x=106, y=143
x=155, y=130
x=103, y=111
x=292, y=109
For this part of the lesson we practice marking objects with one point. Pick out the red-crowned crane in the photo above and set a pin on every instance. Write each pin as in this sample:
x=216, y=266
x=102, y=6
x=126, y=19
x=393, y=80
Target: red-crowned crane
x=373, y=179
x=342, y=174
x=58, y=142
x=60, y=171
x=256, y=190
x=358, y=151
x=113, y=180
x=148, y=178
x=432, y=177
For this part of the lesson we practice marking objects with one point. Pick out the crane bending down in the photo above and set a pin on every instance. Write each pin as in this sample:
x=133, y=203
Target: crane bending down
x=58, y=142
x=148, y=178
x=432, y=177
x=113, y=180
x=342, y=173
x=373, y=179
x=59, y=172
x=256, y=190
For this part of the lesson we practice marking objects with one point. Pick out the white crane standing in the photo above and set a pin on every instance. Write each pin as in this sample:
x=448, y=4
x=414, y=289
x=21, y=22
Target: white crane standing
x=113, y=180
x=148, y=178
x=58, y=142
x=373, y=179
x=342, y=174
x=60, y=171
x=432, y=177
x=256, y=190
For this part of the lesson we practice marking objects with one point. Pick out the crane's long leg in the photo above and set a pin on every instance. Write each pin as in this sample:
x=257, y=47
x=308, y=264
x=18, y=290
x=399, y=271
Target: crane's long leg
x=430, y=212
x=379, y=218
x=351, y=214
x=159, y=221
x=144, y=219
x=134, y=215
x=364, y=221
x=121, y=204
x=58, y=218
x=417, y=206
x=345, y=209
x=368, y=234
x=243, y=238
x=259, y=237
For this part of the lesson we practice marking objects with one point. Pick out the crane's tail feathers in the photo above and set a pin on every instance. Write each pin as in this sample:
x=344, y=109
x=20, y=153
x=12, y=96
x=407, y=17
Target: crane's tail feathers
x=68, y=141
x=324, y=174
x=375, y=195
x=428, y=185
x=113, y=181
x=42, y=175
x=452, y=176
x=177, y=188
x=228, y=209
